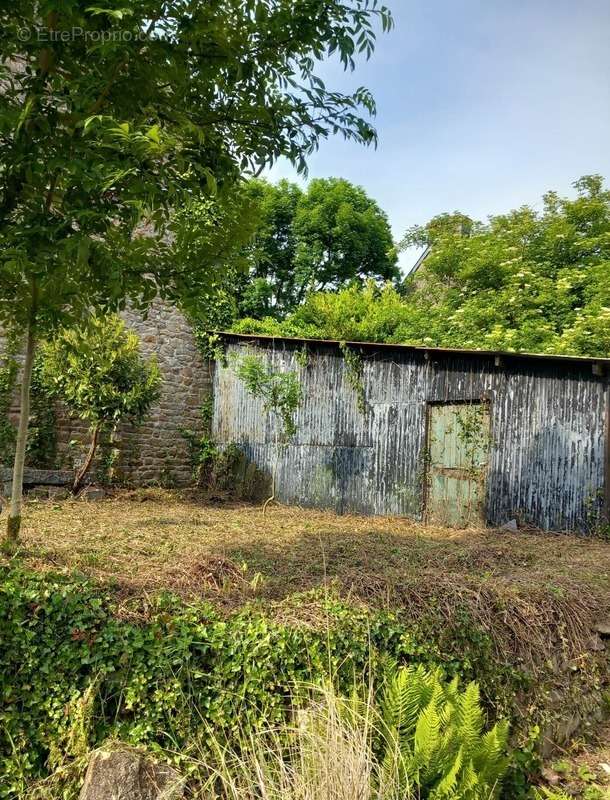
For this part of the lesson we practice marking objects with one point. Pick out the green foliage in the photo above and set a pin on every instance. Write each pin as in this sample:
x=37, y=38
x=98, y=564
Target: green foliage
x=271, y=283
x=112, y=128
x=435, y=734
x=326, y=236
x=527, y=280
x=279, y=391
x=354, y=369
x=430, y=745
x=73, y=673
x=96, y=369
x=368, y=313
x=8, y=376
x=202, y=448
x=41, y=448
x=158, y=682
x=341, y=235
x=213, y=231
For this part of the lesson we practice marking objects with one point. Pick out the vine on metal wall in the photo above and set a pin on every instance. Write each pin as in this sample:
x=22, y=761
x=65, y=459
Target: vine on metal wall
x=354, y=372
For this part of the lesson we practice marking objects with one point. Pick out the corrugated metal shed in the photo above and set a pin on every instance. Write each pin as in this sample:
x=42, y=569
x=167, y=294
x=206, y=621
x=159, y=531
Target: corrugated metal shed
x=547, y=460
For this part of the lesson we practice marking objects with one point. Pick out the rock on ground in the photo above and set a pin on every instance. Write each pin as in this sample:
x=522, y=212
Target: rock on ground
x=129, y=775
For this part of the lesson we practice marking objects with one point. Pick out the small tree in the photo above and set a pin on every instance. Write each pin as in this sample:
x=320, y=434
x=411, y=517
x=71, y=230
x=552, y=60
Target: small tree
x=281, y=396
x=98, y=372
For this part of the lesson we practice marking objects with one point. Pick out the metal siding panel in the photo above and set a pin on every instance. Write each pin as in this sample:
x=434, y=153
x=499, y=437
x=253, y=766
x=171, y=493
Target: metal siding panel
x=547, y=460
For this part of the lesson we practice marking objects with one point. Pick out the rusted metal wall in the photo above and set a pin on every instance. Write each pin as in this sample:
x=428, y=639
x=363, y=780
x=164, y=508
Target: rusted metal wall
x=548, y=429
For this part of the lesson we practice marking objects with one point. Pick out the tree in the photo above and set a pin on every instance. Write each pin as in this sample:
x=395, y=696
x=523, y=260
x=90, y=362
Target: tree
x=270, y=286
x=96, y=370
x=526, y=280
x=214, y=231
x=325, y=236
x=112, y=115
x=342, y=235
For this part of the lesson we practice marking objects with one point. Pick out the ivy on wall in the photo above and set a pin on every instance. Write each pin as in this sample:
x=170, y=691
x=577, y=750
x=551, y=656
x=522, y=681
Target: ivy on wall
x=354, y=374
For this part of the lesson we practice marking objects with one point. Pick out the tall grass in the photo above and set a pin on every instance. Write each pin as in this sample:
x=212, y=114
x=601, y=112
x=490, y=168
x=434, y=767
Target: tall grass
x=421, y=738
x=325, y=752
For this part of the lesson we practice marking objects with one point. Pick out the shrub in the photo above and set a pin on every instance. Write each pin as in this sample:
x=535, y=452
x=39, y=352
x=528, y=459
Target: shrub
x=98, y=372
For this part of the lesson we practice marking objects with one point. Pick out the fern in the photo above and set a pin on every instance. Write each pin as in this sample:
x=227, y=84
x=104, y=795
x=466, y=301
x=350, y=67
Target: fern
x=447, y=785
x=434, y=738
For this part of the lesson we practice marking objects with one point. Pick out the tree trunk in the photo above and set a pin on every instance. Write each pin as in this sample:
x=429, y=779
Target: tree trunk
x=276, y=461
x=14, y=520
x=78, y=480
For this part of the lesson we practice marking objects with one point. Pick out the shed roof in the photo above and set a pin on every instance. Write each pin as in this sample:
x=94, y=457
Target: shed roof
x=599, y=366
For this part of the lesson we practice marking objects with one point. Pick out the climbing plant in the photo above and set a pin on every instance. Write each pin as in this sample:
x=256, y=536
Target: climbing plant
x=201, y=446
x=281, y=396
x=354, y=371
x=473, y=435
x=279, y=391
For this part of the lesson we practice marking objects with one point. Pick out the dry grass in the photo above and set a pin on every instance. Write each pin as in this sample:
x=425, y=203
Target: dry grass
x=525, y=588
x=153, y=539
x=324, y=753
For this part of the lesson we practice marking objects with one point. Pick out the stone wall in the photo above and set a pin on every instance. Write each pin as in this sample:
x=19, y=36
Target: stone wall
x=155, y=451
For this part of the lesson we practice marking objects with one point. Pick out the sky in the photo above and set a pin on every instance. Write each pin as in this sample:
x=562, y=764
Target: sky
x=481, y=107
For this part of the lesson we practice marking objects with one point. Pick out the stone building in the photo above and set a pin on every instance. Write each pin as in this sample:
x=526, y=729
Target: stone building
x=155, y=451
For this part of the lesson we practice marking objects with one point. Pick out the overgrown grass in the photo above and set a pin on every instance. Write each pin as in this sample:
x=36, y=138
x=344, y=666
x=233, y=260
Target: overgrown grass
x=525, y=591
x=514, y=611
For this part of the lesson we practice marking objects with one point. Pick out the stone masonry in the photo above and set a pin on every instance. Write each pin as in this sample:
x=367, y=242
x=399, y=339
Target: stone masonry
x=155, y=451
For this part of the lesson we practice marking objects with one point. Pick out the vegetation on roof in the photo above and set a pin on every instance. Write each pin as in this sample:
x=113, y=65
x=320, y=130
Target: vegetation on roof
x=529, y=281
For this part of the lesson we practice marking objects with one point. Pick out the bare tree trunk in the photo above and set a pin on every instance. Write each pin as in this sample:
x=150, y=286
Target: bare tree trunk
x=276, y=461
x=14, y=520
x=78, y=480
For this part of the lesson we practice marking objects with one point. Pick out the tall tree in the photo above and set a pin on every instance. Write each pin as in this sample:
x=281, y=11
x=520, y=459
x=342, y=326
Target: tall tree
x=527, y=280
x=111, y=115
x=326, y=236
x=342, y=235
x=269, y=286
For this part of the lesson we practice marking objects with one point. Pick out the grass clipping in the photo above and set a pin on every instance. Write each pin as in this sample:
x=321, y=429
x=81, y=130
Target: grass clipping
x=536, y=595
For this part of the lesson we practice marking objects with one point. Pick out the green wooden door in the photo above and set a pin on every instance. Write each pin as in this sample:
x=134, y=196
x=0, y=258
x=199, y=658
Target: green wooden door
x=458, y=445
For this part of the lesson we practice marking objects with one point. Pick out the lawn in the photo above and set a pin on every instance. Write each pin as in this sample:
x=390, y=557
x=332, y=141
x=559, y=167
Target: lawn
x=519, y=586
